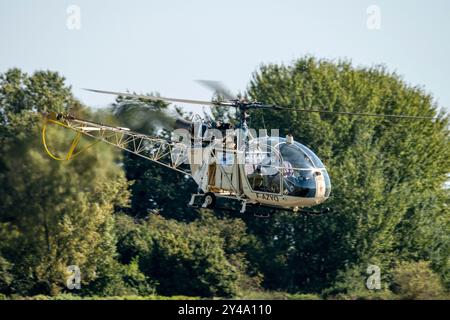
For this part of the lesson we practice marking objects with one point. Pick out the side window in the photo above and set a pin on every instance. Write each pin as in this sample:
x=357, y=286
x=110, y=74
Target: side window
x=264, y=176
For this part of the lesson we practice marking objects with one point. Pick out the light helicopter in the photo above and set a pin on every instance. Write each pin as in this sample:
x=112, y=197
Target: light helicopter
x=233, y=168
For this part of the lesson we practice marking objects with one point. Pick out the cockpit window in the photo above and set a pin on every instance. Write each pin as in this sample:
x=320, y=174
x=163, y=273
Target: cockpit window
x=263, y=170
x=275, y=166
x=297, y=154
x=302, y=183
x=297, y=158
x=311, y=155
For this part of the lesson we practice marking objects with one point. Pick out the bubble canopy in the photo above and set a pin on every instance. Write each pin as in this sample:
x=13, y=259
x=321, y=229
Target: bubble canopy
x=277, y=166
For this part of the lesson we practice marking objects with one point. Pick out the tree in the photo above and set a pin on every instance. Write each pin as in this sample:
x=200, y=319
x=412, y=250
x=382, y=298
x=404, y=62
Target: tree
x=60, y=213
x=388, y=200
x=5, y=275
x=182, y=258
x=416, y=280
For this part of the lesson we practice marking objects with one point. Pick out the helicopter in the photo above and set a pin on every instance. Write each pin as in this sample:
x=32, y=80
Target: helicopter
x=233, y=168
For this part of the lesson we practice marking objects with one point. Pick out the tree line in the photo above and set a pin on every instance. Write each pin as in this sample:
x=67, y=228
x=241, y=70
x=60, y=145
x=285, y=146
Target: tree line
x=125, y=223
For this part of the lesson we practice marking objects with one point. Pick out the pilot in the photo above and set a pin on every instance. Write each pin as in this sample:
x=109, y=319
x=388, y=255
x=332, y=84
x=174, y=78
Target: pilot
x=273, y=181
x=256, y=178
x=287, y=169
x=300, y=185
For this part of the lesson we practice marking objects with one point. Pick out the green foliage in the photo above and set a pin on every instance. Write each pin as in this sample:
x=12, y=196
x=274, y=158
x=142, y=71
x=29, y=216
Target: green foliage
x=42, y=92
x=136, y=279
x=416, y=280
x=68, y=296
x=5, y=274
x=350, y=284
x=182, y=258
x=276, y=295
x=120, y=280
x=215, y=250
x=388, y=200
x=158, y=189
x=124, y=221
x=54, y=214
x=237, y=245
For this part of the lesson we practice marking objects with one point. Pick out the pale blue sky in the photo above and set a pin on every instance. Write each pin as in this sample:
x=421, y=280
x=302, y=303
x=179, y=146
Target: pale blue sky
x=164, y=45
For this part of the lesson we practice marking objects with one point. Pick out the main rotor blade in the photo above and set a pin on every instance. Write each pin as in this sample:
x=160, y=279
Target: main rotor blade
x=218, y=87
x=379, y=115
x=154, y=98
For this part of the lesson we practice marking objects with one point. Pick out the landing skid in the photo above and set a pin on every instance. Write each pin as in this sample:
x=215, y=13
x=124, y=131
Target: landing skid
x=227, y=203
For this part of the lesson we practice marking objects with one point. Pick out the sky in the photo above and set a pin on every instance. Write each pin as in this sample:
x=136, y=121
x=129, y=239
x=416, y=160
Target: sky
x=163, y=46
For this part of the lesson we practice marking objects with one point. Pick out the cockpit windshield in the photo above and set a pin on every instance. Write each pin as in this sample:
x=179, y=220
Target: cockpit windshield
x=297, y=154
x=277, y=166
